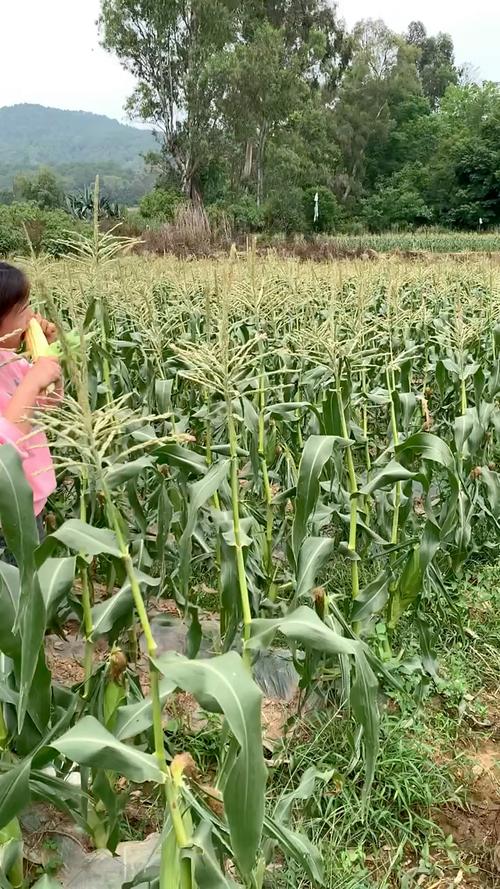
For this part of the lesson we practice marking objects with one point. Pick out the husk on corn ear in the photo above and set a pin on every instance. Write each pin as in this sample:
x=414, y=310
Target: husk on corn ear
x=38, y=346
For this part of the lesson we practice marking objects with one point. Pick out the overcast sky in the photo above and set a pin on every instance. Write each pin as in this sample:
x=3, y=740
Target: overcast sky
x=50, y=54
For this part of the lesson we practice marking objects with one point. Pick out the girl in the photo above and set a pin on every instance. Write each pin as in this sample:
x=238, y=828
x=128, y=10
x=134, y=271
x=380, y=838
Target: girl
x=22, y=388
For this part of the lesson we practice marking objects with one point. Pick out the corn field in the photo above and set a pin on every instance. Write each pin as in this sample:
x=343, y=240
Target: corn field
x=316, y=445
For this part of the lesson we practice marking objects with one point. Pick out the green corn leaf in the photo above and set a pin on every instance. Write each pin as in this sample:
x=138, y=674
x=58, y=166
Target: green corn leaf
x=133, y=719
x=430, y=447
x=302, y=625
x=105, y=615
x=198, y=493
x=407, y=403
x=371, y=599
x=39, y=694
x=8, y=695
x=89, y=744
x=293, y=843
x=305, y=627
x=225, y=680
x=390, y=474
x=314, y=552
x=206, y=866
x=47, y=882
x=14, y=791
x=137, y=506
x=364, y=705
x=287, y=409
x=11, y=861
x=411, y=581
x=183, y=458
x=10, y=585
x=163, y=393
x=119, y=473
x=56, y=578
x=430, y=543
x=462, y=428
x=317, y=450
x=409, y=586
x=245, y=539
x=225, y=450
x=17, y=520
x=32, y=636
x=297, y=846
x=81, y=537
x=302, y=793
x=491, y=481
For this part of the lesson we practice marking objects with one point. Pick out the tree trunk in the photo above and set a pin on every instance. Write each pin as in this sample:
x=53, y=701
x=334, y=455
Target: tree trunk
x=247, y=169
x=260, y=162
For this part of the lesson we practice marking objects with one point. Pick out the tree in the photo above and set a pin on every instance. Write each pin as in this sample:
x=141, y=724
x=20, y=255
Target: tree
x=168, y=46
x=398, y=201
x=217, y=77
x=262, y=86
x=380, y=90
x=464, y=176
x=289, y=58
x=436, y=61
x=43, y=188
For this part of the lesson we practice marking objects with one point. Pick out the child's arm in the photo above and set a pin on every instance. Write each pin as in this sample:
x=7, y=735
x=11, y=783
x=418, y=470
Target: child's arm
x=20, y=407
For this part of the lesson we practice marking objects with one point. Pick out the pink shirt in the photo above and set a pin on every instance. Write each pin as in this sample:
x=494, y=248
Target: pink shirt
x=32, y=446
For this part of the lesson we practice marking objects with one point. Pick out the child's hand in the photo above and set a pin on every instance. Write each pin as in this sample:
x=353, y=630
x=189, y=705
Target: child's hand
x=49, y=329
x=44, y=373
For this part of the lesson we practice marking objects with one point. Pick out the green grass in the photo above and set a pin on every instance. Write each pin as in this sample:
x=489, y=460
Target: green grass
x=427, y=741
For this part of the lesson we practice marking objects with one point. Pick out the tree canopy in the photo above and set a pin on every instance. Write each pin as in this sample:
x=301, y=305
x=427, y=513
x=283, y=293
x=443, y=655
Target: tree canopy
x=273, y=101
x=274, y=113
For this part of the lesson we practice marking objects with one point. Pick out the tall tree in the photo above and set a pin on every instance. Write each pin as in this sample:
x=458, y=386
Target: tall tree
x=379, y=90
x=288, y=52
x=435, y=63
x=464, y=176
x=168, y=46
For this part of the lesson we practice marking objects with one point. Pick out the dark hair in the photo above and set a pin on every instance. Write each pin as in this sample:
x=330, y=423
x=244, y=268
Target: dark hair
x=14, y=288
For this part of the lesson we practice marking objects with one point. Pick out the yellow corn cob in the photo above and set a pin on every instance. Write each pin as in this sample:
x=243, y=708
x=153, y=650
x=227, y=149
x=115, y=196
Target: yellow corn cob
x=36, y=342
x=37, y=345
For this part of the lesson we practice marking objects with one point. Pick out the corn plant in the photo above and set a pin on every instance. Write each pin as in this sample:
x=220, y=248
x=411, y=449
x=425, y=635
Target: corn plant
x=318, y=446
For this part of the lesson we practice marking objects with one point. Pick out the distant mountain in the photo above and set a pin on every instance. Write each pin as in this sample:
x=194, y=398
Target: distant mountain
x=75, y=144
x=32, y=135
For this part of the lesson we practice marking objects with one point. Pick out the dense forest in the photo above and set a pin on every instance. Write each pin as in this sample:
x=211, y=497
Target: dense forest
x=275, y=117
x=262, y=105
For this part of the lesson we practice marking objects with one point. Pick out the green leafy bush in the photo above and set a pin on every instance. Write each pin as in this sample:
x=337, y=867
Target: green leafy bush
x=24, y=223
x=285, y=212
x=329, y=211
x=160, y=204
x=42, y=188
x=242, y=213
x=398, y=203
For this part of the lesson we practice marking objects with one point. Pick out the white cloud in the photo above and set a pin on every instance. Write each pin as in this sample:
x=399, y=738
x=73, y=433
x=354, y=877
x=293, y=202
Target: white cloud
x=50, y=53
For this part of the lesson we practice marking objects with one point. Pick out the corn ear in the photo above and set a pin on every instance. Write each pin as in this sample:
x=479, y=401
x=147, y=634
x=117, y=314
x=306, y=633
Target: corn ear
x=38, y=347
x=36, y=341
x=115, y=693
